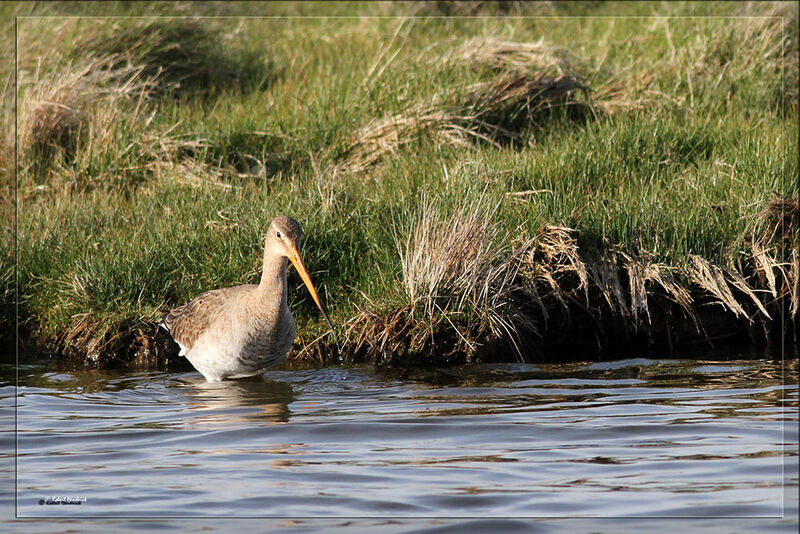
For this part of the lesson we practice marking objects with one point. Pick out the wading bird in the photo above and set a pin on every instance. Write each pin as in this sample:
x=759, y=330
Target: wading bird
x=242, y=331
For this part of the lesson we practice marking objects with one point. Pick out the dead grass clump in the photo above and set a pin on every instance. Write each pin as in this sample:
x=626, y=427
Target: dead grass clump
x=190, y=172
x=383, y=337
x=443, y=256
x=502, y=108
x=55, y=107
x=528, y=82
x=495, y=111
x=714, y=280
x=385, y=136
x=774, y=240
x=515, y=57
x=779, y=221
x=459, y=283
x=630, y=285
x=662, y=278
x=174, y=158
x=455, y=271
x=627, y=91
x=96, y=338
x=556, y=254
x=626, y=284
x=630, y=89
x=83, y=121
x=552, y=267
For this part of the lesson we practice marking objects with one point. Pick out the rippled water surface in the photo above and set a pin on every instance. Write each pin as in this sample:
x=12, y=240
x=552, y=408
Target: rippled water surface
x=628, y=438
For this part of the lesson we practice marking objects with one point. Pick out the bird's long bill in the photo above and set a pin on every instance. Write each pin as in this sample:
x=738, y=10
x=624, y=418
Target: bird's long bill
x=294, y=256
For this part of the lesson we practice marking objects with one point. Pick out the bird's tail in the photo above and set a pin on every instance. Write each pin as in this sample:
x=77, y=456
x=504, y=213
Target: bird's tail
x=163, y=322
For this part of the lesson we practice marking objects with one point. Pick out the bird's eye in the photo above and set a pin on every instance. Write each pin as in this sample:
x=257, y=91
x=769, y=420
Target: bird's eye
x=279, y=235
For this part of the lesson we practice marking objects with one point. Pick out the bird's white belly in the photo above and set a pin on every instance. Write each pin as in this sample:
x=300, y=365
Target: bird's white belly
x=215, y=362
x=218, y=357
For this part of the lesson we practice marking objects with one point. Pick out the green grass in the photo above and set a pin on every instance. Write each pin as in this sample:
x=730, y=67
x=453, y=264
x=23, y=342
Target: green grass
x=168, y=176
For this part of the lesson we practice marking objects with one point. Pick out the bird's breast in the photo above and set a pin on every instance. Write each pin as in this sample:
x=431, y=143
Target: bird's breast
x=269, y=338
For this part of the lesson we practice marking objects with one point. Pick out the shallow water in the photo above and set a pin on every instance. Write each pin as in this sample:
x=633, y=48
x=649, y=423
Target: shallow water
x=633, y=438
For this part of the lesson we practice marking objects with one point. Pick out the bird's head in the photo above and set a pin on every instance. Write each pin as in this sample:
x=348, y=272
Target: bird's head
x=284, y=238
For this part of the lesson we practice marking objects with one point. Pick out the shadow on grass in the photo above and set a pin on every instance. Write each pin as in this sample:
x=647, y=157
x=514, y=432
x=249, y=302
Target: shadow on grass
x=183, y=56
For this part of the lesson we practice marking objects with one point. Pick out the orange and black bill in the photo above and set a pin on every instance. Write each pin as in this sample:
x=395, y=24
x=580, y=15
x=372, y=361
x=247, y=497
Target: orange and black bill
x=294, y=256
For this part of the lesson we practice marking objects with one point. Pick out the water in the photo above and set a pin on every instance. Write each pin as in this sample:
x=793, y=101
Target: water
x=635, y=438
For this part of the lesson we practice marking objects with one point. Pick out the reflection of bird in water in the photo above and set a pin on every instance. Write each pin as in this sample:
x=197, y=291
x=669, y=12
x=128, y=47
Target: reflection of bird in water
x=243, y=331
x=241, y=401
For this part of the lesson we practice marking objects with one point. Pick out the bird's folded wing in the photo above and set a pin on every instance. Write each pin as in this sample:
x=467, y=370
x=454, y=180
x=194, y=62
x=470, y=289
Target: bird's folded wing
x=188, y=322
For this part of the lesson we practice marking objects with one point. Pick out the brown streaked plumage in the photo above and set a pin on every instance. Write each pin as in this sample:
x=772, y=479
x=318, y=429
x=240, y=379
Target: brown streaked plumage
x=245, y=330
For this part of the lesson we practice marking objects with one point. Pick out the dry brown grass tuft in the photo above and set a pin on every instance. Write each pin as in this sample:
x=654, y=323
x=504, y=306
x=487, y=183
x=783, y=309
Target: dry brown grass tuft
x=528, y=81
x=85, y=122
x=630, y=89
x=501, y=108
x=445, y=257
x=459, y=281
x=98, y=110
x=626, y=284
x=494, y=111
x=455, y=271
x=774, y=240
x=567, y=272
x=95, y=338
x=714, y=280
x=780, y=219
x=553, y=269
x=168, y=157
x=381, y=337
x=56, y=108
x=385, y=136
x=516, y=57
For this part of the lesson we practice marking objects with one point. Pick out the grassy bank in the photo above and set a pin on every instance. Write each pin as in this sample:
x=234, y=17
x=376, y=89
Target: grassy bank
x=487, y=186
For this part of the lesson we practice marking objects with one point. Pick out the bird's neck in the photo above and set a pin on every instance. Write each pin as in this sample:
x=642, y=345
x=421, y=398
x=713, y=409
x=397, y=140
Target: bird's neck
x=273, y=275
